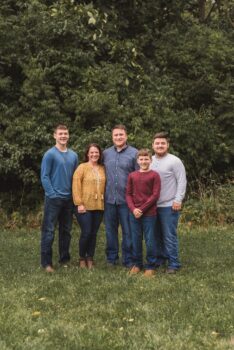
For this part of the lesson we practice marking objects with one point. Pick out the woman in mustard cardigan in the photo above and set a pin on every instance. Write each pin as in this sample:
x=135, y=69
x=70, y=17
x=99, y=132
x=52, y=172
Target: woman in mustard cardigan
x=88, y=188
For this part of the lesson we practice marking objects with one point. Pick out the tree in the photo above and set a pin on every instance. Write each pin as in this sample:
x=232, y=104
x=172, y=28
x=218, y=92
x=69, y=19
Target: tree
x=151, y=64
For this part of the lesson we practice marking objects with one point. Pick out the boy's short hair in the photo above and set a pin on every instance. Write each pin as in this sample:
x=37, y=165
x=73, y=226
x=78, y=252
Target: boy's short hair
x=144, y=152
x=60, y=126
x=119, y=126
x=162, y=135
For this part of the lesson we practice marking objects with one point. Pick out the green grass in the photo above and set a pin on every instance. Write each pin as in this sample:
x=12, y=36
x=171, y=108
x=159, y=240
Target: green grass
x=107, y=309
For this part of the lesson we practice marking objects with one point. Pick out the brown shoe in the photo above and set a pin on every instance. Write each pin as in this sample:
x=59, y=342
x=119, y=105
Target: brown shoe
x=49, y=269
x=82, y=264
x=90, y=263
x=149, y=273
x=134, y=270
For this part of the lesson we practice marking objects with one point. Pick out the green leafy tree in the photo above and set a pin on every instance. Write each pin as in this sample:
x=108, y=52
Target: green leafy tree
x=153, y=65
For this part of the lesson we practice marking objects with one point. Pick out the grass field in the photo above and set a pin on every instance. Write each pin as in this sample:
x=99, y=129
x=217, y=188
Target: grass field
x=107, y=309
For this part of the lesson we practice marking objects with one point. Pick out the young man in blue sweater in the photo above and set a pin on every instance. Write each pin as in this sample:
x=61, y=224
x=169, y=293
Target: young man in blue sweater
x=57, y=168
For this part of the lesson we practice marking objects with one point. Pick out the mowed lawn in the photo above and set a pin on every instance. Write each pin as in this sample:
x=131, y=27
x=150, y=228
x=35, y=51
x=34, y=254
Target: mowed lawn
x=108, y=309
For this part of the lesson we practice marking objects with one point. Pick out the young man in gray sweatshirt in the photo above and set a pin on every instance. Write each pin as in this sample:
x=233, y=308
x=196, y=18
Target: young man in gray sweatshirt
x=173, y=187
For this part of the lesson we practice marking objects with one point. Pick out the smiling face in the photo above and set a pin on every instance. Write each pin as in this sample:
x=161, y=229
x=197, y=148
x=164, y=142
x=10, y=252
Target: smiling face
x=119, y=138
x=61, y=137
x=93, y=155
x=160, y=146
x=144, y=162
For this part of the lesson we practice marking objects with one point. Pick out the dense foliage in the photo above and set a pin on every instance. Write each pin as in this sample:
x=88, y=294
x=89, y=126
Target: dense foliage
x=152, y=65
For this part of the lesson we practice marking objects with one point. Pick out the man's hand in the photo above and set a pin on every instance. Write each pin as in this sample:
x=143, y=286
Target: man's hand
x=137, y=213
x=176, y=206
x=81, y=209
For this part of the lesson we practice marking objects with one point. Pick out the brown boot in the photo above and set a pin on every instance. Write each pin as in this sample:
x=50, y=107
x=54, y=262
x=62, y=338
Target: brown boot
x=49, y=269
x=149, y=273
x=134, y=270
x=82, y=264
x=90, y=263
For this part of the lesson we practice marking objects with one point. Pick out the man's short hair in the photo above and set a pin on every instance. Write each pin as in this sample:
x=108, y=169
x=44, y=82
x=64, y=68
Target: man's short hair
x=119, y=126
x=162, y=135
x=60, y=126
x=144, y=152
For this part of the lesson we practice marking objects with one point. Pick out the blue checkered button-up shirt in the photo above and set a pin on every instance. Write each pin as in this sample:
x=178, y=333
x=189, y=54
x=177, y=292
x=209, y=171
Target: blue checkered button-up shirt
x=118, y=165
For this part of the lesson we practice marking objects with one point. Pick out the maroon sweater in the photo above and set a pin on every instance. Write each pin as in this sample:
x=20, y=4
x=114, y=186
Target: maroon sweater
x=143, y=190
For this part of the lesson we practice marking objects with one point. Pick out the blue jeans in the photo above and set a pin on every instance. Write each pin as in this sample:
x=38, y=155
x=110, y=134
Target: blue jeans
x=166, y=237
x=114, y=215
x=89, y=223
x=144, y=225
x=56, y=210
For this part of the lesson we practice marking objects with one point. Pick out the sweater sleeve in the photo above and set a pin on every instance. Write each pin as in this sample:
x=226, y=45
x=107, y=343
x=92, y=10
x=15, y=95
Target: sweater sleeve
x=76, y=162
x=129, y=193
x=46, y=169
x=77, y=180
x=180, y=174
x=152, y=200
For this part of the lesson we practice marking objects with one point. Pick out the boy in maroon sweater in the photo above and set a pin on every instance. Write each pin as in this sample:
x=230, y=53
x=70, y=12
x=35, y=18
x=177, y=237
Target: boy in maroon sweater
x=143, y=189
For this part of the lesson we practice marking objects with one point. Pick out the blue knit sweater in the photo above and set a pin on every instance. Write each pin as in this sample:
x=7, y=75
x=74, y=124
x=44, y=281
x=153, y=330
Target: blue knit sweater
x=57, y=169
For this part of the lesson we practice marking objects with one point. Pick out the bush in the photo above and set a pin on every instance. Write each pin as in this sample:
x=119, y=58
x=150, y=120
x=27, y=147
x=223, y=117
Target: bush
x=94, y=64
x=210, y=206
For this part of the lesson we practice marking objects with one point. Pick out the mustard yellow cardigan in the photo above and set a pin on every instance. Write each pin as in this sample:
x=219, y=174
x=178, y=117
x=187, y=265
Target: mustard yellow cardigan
x=88, y=186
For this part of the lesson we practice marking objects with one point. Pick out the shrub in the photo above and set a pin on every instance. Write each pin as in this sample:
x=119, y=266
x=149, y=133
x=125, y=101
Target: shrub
x=210, y=206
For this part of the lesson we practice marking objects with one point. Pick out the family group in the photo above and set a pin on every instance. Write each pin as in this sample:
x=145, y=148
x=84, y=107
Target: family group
x=129, y=188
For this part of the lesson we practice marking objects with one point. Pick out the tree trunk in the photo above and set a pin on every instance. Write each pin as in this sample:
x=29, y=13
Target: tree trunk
x=202, y=10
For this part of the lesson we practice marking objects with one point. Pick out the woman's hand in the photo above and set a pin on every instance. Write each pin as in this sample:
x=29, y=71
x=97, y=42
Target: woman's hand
x=81, y=209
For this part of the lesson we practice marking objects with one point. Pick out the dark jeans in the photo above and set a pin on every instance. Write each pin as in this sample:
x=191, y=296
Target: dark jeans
x=56, y=210
x=89, y=223
x=115, y=215
x=144, y=225
x=166, y=237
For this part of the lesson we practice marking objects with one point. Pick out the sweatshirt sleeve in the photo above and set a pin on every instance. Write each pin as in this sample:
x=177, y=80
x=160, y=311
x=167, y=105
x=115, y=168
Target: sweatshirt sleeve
x=129, y=193
x=180, y=174
x=155, y=194
x=77, y=180
x=46, y=169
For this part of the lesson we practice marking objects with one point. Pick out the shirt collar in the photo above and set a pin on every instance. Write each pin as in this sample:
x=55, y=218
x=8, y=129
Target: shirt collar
x=122, y=149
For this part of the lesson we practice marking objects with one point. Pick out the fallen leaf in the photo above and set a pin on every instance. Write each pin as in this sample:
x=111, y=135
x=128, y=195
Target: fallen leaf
x=36, y=313
x=215, y=333
x=41, y=331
